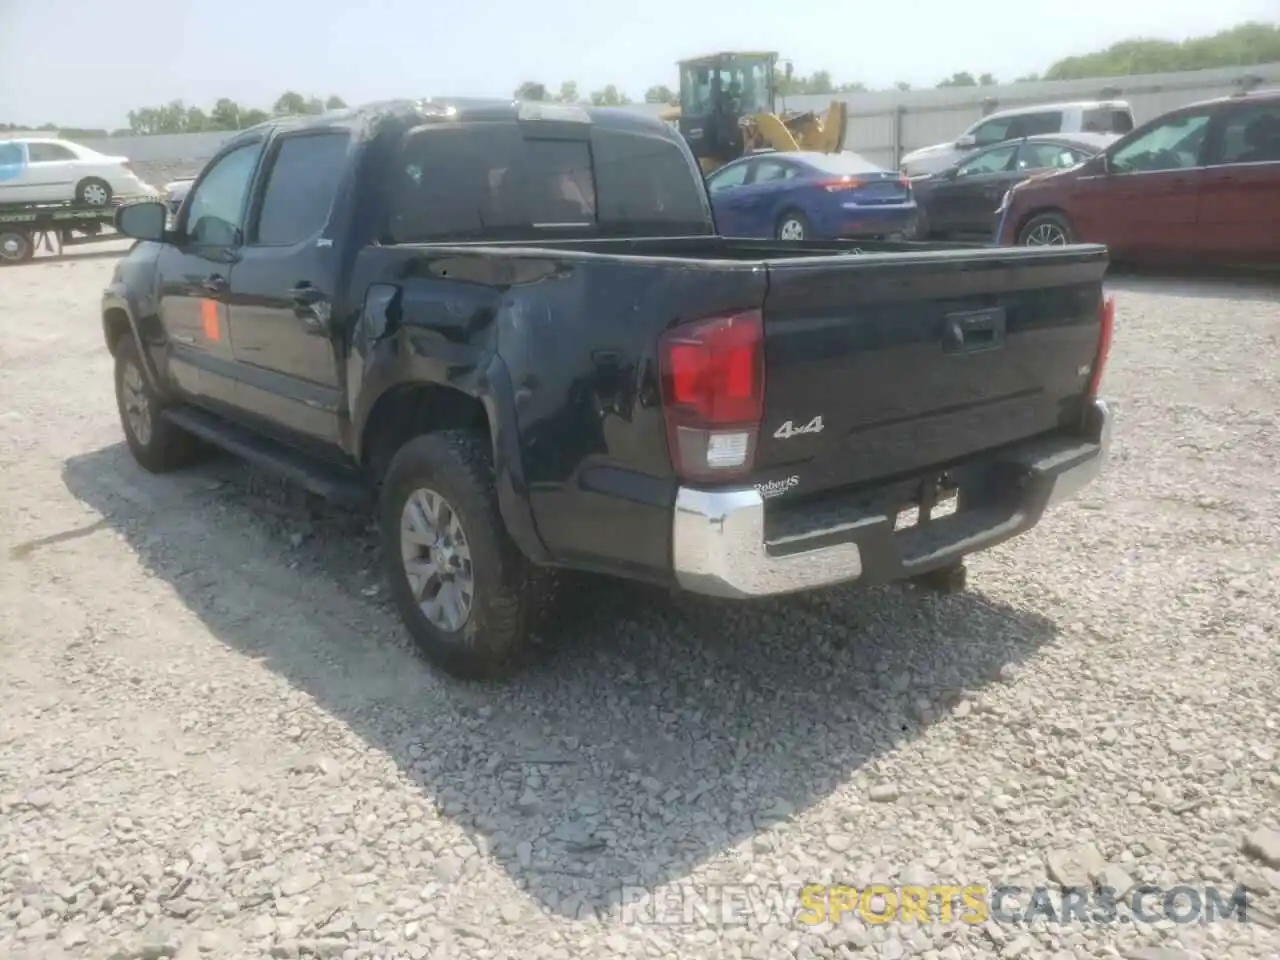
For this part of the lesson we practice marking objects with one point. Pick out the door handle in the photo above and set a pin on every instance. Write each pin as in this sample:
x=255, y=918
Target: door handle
x=305, y=295
x=973, y=330
x=311, y=307
x=215, y=283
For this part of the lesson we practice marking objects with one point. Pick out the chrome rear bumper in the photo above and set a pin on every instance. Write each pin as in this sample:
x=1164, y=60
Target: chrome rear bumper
x=721, y=548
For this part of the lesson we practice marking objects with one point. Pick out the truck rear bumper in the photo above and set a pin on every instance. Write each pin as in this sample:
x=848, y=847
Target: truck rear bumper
x=724, y=547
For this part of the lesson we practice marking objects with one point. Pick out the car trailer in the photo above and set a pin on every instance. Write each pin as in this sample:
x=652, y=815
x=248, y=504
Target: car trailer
x=28, y=227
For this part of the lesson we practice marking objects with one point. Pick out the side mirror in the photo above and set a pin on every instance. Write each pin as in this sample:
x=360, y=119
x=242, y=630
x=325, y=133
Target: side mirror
x=1104, y=163
x=966, y=142
x=143, y=221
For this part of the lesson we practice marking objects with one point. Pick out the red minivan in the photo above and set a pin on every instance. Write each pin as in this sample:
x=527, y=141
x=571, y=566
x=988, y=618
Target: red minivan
x=1200, y=183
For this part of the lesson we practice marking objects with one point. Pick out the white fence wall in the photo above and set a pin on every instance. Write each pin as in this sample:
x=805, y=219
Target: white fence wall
x=882, y=125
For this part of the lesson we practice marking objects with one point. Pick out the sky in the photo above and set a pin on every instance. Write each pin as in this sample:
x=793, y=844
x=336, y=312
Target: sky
x=86, y=63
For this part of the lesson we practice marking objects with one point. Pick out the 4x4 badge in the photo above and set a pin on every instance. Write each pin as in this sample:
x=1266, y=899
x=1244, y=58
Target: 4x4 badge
x=789, y=429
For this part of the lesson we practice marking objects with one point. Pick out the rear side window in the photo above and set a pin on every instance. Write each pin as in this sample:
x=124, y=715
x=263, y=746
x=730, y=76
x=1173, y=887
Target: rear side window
x=487, y=180
x=301, y=185
x=1106, y=120
x=1252, y=135
x=49, y=153
x=1031, y=124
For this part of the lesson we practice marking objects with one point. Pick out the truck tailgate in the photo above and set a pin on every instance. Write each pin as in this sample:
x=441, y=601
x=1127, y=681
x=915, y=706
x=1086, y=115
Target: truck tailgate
x=877, y=366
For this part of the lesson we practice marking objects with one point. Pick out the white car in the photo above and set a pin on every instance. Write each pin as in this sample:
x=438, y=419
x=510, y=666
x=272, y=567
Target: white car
x=49, y=171
x=1109, y=116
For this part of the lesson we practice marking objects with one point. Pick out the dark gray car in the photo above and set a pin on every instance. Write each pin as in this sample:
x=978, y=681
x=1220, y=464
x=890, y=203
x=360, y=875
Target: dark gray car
x=962, y=199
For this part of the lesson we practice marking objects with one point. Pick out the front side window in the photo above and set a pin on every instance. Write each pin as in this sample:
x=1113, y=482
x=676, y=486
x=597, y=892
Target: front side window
x=301, y=187
x=695, y=90
x=49, y=153
x=993, y=161
x=1175, y=144
x=1252, y=135
x=993, y=131
x=215, y=215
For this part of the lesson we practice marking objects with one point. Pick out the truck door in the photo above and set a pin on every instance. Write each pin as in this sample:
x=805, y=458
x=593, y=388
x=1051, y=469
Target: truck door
x=282, y=290
x=195, y=276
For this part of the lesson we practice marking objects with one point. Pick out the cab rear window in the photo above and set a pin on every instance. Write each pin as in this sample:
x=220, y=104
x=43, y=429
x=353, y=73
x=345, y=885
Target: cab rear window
x=493, y=180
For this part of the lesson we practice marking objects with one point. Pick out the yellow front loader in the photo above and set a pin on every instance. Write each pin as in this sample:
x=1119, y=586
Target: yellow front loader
x=727, y=110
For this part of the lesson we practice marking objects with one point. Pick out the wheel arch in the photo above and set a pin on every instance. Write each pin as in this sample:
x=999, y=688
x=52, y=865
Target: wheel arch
x=412, y=406
x=1038, y=212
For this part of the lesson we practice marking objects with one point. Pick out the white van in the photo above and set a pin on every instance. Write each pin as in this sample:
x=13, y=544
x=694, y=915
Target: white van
x=1094, y=116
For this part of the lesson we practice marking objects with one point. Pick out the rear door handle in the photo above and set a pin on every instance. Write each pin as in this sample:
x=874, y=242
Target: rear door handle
x=215, y=283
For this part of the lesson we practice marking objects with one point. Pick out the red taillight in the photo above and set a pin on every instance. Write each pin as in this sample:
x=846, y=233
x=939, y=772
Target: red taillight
x=844, y=183
x=1107, y=318
x=712, y=375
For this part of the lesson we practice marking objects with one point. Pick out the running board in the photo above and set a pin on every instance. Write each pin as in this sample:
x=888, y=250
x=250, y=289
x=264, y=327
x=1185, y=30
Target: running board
x=326, y=480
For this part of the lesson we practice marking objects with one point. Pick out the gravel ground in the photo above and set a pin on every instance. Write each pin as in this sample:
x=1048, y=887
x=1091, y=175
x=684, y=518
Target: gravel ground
x=214, y=741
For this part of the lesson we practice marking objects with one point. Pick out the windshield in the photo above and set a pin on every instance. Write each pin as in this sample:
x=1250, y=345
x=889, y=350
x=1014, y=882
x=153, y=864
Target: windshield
x=743, y=82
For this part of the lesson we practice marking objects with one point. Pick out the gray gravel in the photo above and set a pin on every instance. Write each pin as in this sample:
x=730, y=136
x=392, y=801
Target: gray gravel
x=214, y=741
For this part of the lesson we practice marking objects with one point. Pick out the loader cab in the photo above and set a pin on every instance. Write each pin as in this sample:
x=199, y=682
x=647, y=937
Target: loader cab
x=716, y=92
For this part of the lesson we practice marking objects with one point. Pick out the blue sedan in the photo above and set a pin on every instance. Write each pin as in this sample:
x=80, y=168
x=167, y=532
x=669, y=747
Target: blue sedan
x=811, y=196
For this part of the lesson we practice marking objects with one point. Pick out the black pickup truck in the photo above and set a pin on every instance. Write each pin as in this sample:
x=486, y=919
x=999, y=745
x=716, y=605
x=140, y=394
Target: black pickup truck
x=514, y=328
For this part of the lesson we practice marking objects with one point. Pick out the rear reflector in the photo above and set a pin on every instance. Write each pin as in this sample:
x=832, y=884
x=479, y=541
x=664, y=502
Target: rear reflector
x=1107, y=317
x=712, y=383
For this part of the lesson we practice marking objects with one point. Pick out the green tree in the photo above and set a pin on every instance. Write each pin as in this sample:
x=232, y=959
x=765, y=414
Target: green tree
x=610, y=97
x=660, y=94
x=335, y=103
x=962, y=79
x=568, y=91
x=225, y=115
x=1244, y=45
x=902, y=85
x=531, y=91
x=290, y=104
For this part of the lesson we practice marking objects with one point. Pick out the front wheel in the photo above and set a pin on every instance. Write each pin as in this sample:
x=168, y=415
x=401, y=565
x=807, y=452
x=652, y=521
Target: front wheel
x=459, y=582
x=156, y=443
x=793, y=226
x=1047, y=230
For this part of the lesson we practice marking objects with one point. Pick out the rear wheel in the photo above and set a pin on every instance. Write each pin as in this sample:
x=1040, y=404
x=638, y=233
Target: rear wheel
x=94, y=191
x=16, y=246
x=1047, y=230
x=460, y=584
x=792, y=225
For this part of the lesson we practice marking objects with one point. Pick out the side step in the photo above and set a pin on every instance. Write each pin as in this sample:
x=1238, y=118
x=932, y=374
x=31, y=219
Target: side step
x=327, y=480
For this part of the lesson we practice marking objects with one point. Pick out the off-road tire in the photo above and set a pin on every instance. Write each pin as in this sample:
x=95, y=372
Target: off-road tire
x=167, y=446
x=496, y=639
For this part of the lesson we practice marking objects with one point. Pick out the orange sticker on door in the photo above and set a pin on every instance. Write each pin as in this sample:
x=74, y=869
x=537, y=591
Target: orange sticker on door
x=210, y=322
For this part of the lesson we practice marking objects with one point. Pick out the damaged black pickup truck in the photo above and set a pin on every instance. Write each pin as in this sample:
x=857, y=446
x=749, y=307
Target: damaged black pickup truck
x=514, y=328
